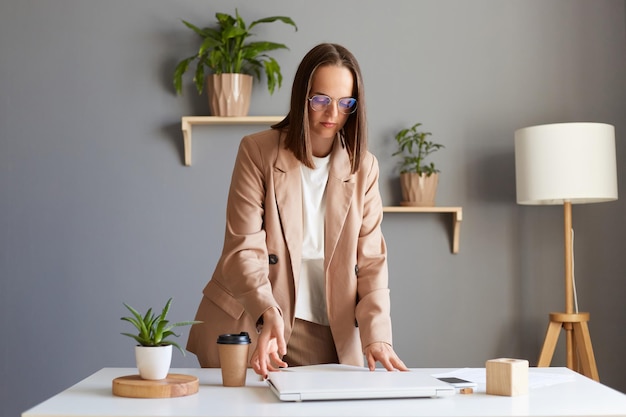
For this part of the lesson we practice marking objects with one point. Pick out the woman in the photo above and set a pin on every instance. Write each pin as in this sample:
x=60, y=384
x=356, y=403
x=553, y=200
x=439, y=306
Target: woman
x=304, y=261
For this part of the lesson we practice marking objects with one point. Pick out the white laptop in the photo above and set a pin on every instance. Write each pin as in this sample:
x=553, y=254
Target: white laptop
x=340, y=382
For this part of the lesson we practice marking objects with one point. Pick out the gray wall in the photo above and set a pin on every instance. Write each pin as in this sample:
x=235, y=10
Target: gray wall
x=97, y=208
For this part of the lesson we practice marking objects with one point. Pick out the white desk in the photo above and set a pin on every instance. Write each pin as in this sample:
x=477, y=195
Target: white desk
x=93, y=397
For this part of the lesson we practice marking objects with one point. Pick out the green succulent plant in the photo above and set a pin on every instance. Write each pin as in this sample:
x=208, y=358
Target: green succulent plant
x=414, y=148
x=224, y=51
x=154, y=330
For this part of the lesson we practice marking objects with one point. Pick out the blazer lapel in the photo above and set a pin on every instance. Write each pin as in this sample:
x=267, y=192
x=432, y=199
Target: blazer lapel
x=339, y=192
x=288, y=191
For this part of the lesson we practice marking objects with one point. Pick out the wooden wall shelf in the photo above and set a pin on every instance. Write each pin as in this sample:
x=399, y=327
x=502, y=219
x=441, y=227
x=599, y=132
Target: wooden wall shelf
x=189, y=121
x=457, y=217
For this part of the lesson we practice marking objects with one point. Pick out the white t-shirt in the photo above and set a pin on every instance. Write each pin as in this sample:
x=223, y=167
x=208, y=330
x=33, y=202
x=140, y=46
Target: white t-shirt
x=311, y=298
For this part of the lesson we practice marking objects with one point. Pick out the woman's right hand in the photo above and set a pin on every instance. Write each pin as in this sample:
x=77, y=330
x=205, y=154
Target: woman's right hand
x=271, y=344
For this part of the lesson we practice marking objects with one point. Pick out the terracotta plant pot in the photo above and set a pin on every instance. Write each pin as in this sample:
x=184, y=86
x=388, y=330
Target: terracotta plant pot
x=229, y=94
x=418, y=190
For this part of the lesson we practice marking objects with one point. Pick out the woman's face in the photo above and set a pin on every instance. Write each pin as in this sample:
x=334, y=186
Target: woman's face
x=335, y=82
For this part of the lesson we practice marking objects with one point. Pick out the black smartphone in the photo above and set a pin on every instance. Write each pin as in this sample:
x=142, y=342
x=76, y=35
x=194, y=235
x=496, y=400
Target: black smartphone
x=458, y=382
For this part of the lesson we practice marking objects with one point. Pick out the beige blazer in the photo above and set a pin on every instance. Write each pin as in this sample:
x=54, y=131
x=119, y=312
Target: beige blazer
x=260, y=262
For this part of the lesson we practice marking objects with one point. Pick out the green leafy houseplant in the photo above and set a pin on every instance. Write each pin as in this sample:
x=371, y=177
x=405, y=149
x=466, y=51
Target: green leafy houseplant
x=154, y=330
x=224, y=50
x=414, y=148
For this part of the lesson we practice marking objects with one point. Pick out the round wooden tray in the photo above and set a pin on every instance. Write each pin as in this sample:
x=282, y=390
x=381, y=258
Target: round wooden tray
x=174, y=385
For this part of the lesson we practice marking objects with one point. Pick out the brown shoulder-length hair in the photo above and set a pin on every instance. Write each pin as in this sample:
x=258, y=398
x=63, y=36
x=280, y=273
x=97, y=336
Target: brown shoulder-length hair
x=296, y=123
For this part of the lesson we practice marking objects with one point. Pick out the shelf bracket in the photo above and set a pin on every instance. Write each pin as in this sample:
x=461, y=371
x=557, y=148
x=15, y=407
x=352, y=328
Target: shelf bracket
x=186, y=126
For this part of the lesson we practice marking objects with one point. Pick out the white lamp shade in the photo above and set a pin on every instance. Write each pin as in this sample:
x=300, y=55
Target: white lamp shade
x=562, y=162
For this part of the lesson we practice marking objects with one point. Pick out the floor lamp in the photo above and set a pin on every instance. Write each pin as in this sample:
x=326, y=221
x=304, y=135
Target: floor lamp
x=567, y=163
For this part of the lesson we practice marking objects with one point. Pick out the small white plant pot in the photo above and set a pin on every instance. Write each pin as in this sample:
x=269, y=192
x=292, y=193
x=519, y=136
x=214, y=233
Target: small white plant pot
x=153, y=362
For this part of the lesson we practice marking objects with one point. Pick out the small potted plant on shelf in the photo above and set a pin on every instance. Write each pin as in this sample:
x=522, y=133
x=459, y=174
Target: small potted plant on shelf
x=228, y=63
x=418, y=178
x=154, y=352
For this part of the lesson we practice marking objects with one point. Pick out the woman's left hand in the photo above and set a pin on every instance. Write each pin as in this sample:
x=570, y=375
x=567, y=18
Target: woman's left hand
x=383, y=353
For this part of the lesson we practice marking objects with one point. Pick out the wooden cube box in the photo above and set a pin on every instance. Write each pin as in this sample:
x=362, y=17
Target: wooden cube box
x=507, y=377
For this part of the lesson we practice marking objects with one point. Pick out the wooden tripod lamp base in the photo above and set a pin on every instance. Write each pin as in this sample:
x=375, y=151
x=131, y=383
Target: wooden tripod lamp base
x=580, y=356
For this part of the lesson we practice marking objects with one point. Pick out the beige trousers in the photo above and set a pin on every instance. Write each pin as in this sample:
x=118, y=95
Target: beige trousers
x=310, y=344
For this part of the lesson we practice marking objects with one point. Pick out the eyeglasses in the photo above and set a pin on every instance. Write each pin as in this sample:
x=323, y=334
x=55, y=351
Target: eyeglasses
x=345, y=105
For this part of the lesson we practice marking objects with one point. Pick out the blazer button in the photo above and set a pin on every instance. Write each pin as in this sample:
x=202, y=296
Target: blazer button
x=273, y=259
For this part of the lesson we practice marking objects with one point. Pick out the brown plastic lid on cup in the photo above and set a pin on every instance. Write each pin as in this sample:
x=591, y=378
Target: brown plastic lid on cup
x=242, y=338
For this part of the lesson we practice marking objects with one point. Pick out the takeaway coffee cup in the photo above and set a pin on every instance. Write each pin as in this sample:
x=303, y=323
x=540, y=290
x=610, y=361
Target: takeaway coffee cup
x=233, y=352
